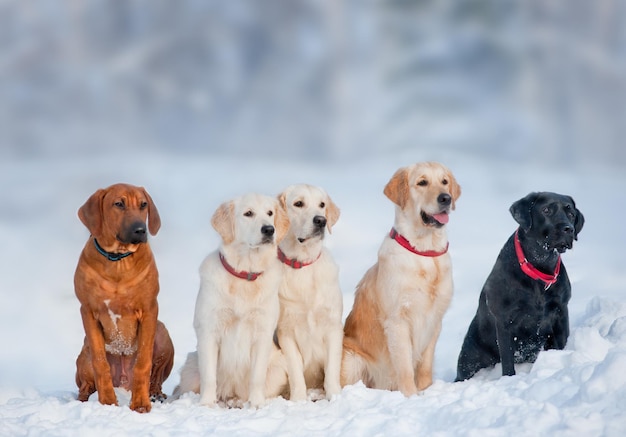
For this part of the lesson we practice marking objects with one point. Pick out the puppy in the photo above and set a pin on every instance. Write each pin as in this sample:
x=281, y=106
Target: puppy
x=391, y=332
x=310, y=330
x=237, y=307
x=523, y=305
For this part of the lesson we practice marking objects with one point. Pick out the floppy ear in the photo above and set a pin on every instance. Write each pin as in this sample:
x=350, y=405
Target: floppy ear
x=520, y=211
x=455, y=188
x=154, y=220
x=579, y=221
x=281, y=221
x=91, y=212
x=223, y=222
x=332, y=213
x=397, y=189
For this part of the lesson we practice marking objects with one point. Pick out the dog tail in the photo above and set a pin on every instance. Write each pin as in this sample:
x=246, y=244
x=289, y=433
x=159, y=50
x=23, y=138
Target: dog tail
x=189, y=377
x=354, y=364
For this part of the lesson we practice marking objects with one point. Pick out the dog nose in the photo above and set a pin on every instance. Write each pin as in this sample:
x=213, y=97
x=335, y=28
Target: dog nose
x=319, y=221
x=267, y=230
x=444, y=199
x=137, y=233
x=567, y=229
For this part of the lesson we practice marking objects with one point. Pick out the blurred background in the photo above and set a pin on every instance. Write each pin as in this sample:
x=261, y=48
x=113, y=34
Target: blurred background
x=533, y=80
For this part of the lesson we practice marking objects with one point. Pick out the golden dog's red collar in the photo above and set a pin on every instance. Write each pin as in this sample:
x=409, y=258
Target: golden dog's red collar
x=248, y=276
x=294, y=263
x=405, y=243
x=531, y=270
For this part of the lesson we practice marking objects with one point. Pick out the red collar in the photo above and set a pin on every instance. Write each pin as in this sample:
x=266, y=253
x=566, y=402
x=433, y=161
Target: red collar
x=531, y=270
x=405, y=243
x=248, y=276
x=294, y=263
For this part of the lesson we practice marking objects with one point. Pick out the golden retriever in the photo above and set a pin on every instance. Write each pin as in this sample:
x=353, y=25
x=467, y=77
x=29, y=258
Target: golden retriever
x=310, y=331
x=237, y=308
x=391, y=332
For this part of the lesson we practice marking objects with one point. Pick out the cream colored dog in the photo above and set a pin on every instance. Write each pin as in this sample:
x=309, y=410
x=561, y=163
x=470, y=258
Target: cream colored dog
x=237, y=308
x=310, y=331
x=391, y=332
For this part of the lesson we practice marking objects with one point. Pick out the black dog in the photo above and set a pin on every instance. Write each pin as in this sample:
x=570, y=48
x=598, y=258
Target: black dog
x=523, y=304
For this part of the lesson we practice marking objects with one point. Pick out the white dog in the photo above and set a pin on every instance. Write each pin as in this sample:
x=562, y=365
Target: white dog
x=310, y=331
x=391, y=332
x=237, y=308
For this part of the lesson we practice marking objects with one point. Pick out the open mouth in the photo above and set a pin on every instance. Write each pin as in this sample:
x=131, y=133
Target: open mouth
x=437, y=220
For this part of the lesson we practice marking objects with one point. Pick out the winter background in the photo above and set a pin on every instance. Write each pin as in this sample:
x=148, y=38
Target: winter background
x=200, y=101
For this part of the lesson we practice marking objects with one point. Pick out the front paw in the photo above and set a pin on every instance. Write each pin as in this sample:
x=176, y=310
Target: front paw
x=140, y=404
x=208, y=400
x=332, y=389
x=107, y=397
x=256, y=400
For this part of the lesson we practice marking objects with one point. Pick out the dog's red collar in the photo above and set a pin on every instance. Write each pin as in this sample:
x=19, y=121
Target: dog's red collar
x=294, y=263
x=248, y=276
x=405, y=243
x=531, y=270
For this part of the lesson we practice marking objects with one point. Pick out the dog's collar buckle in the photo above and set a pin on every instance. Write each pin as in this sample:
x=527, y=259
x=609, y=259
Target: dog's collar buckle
x=402, y=241
x=532, y=271
x=294, y=263
x=248, y=276
x=110, y=255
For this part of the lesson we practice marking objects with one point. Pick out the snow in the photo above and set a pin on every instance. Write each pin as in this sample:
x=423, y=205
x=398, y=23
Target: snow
x=578, y=391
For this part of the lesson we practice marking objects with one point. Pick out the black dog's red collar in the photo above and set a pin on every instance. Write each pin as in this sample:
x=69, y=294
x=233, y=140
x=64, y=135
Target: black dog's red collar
x=405, y=243
x=531, y=270
x=294, y=263
x=248, y=276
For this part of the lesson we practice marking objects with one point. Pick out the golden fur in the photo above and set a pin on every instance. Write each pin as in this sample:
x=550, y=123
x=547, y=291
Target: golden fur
x=391, y=332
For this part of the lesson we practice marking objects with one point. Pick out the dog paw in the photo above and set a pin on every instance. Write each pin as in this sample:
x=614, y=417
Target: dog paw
x=158, y=397
x=140, y=406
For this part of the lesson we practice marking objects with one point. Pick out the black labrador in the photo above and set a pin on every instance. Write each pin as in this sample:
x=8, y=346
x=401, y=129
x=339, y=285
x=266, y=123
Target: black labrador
x=523, y=305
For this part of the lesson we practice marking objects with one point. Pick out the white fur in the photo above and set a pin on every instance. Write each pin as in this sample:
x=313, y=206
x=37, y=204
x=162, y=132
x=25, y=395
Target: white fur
x=235, y=319
x=310, y=331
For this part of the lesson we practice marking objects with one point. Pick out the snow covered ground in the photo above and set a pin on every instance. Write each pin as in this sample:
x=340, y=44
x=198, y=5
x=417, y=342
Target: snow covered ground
x=578, y=391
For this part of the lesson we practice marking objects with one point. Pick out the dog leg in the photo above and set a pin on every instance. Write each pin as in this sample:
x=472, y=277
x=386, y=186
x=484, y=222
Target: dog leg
x=424, y=371
x=207, y=365
x=295, y=368
x=332, y=369
x=101, y=369
x=162, y=362
x=260, y=356
x=505, y=346
x=140, y=401
x=401, y=355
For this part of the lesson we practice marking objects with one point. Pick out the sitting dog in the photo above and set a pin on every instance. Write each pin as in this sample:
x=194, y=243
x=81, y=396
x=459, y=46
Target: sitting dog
x=237, y=308
x=391, y=332
x=310, y=330
x=116, y=282
x=523, y=305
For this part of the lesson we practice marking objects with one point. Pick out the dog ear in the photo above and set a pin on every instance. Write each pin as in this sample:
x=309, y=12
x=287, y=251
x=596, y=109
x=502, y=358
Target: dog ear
x=579, y=221
x=90, y=214
x=455, y=188
x=332, y=213
x=397, y=189
x=521, y=210
x=281, y=221
x=154, y=219
x=223, y=222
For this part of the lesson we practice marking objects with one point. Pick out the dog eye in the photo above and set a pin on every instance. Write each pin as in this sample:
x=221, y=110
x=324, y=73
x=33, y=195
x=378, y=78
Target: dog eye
x=299, y=204
x=322, y=205
x=248, y=214
x=119, y=204
x=546, y=210
x=445, y=182
x=422, y=183
x=270, y=213
x=143, y=205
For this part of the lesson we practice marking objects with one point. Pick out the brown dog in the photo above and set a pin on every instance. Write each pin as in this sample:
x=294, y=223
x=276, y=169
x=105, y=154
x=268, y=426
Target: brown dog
x=116, y=282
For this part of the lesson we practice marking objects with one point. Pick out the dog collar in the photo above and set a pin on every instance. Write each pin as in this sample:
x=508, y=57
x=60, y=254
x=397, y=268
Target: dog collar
x=294, y=263
x=110, y=255
x=531, y=270
x=248, y=276
x=405, y=243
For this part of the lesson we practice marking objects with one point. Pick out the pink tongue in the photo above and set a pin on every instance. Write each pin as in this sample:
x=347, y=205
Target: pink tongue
x=442, y=218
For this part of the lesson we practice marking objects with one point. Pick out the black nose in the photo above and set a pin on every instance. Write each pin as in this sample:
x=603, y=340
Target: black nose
x=137, y=233
x=566, y=229
x=319, y=221
x=267, y=230
x=444, y=199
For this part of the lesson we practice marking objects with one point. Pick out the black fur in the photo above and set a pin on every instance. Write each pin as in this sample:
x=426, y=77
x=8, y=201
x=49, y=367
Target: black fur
x=517, y=316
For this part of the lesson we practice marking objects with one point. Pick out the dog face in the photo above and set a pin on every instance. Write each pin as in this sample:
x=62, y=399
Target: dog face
x=425, y=191
x=119, y=214
x=253, y=219
x=310, y=211
x=551, y=218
